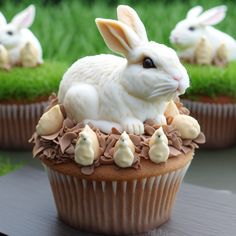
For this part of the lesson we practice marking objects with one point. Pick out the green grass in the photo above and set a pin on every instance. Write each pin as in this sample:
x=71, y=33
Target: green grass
x=211, y=81
x=31, y=83
x=7, y=166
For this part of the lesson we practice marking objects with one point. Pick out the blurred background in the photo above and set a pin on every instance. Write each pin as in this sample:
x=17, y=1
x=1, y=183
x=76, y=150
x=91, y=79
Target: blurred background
x=67, y=31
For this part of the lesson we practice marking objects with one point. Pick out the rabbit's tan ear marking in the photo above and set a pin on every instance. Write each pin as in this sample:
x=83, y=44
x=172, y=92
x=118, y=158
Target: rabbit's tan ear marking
x=3, y=20
x=129, y=16
x=117, y=36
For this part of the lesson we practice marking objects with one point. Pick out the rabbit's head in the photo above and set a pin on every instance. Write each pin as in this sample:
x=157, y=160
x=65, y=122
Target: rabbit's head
x=11, y=33
x=188, y=32
x=153, y=71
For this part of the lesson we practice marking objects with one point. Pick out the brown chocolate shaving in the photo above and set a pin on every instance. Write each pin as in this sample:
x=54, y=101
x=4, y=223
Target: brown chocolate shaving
x=135, y=139
x=110, y=144
x=174, y=152
x=106, y=161
x=187, y=142
x=70, y=150
x=66, y=140
x=51, y=136
x=87, y=170
x=186, y=149
x=149, y=122
x=115, y=131
x=200, y=139
x=144, y=153
x=149, y=130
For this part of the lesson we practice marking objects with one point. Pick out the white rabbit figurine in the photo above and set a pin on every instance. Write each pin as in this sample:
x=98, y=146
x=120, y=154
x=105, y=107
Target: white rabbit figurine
x=111, y=91
x=188, y=32
x=15, y=35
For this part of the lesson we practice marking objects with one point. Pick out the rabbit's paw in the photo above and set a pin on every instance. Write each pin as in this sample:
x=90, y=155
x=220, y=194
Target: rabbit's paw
x=133, y=126
x=160, y=120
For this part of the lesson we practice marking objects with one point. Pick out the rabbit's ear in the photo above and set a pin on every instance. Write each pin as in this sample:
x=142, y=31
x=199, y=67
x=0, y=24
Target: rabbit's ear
x=3, y=20
x=118, y=37
x=25, y=18
x=213, y=16
x=129, y=16
x=194, y=12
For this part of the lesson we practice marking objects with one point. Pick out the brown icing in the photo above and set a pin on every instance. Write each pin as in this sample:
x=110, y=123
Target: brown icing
x=60, y=147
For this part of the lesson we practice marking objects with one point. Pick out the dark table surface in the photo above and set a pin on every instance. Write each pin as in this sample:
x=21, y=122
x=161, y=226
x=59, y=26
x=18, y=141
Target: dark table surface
x=27, y=209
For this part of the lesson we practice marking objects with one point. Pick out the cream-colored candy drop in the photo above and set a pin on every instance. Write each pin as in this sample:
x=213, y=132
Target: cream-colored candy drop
x=187, y=126
x=203, y=52
x=87, y=147
x=171, y=109
x=222, y=53
x=124, y=151
x=29, y=55
x=4, y=58
x=50, y=122
x=158, y=144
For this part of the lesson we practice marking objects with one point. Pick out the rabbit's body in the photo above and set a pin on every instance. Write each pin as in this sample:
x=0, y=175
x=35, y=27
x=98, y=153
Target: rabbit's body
x=216, y=38
x=15, y=35
x=27, y=37
x=100, y=95
x=110, y=91
x=188, y=33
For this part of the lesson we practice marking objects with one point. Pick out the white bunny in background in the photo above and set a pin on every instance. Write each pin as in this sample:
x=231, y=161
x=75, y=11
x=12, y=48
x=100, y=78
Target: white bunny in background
x=15, y=35
x=111, y=91
x=197, y=25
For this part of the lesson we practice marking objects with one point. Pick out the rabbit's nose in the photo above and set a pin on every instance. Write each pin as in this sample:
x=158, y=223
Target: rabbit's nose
x=175, y=38
x=177, y=78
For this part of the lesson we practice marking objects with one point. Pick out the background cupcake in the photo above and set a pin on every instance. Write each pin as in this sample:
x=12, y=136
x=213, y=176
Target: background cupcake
x=211, y=98
x=25, y=80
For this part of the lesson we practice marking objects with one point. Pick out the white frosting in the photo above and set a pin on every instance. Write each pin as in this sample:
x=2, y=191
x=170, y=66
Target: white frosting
x=87, y=147
x=124, y=151
x=188, y=127
x=171, y=109
x=29, y=55
x=50, y=122
x=159, y=150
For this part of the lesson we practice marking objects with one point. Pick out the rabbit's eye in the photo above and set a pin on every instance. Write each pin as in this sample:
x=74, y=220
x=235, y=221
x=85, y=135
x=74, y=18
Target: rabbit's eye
x=148, y=63
x=191, y=28
x=9, y=32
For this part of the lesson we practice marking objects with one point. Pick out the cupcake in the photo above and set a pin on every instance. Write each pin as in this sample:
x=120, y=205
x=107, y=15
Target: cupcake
x=26, y=82
x=114, y=143
x=210, y=55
